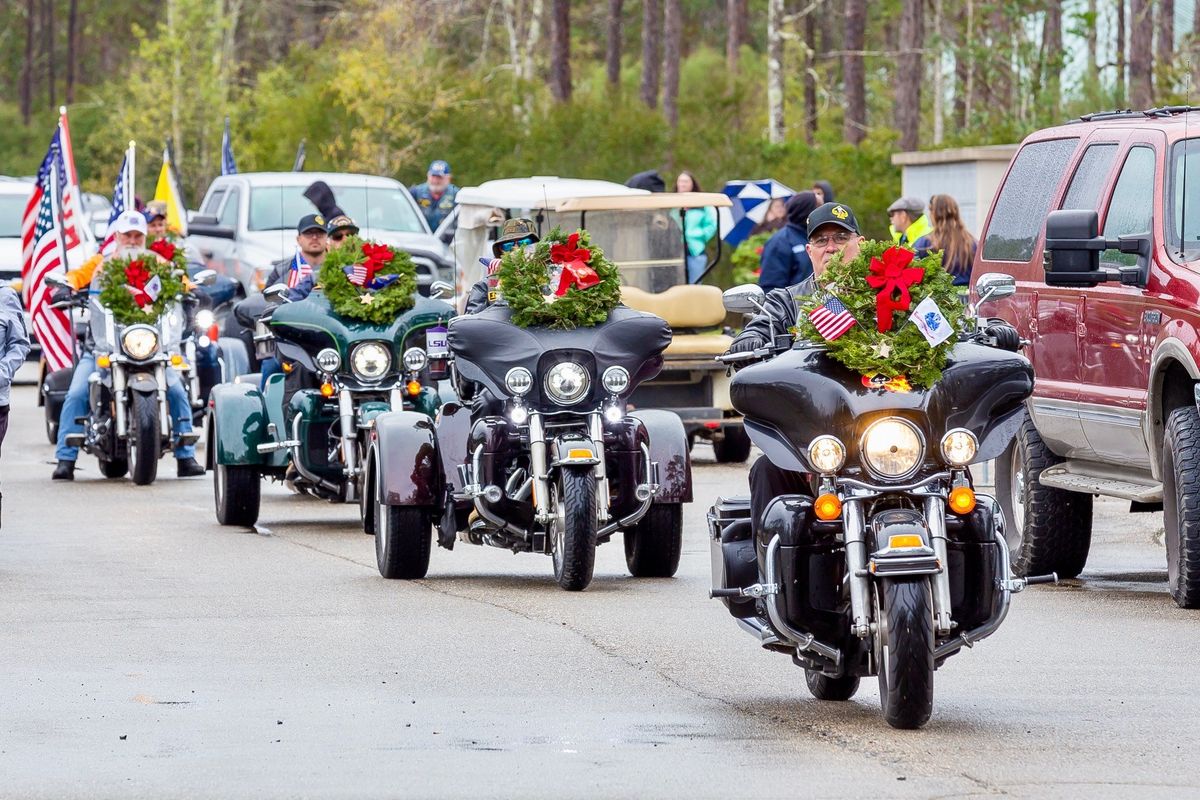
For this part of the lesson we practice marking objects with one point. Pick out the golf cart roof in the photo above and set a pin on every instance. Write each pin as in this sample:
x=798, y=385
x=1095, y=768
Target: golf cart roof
x=544, y=192
x=653, y=201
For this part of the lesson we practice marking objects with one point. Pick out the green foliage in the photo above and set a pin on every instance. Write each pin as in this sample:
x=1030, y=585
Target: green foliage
x=524, y=277
x=380, y=306
x=122, y=277
x=747, y=259
x=910, y=356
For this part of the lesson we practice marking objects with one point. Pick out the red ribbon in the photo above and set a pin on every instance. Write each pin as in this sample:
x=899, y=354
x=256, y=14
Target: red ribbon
x=377, y=256
x=892, y=276
x=574, y=260
x=163, y=248
x=136, y=275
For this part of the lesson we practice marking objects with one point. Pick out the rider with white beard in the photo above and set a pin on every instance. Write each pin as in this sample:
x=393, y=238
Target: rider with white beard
x=130, y=232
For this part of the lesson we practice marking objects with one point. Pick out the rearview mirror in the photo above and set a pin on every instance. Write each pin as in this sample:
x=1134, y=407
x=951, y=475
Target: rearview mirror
x=57, y=281
x=276, y=292
x=995, y=286
x=745, y=299
x=440, y=289
x=1073, y=246
x=205, y=225
x=205, y=277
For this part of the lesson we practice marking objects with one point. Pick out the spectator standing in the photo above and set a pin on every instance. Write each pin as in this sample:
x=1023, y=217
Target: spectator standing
x=951, y=237
x=14, y=340
x=436, y=195
x=908, y=220
x=699, y=227
x=824, y=192
x=785, y=259
x=774, y=219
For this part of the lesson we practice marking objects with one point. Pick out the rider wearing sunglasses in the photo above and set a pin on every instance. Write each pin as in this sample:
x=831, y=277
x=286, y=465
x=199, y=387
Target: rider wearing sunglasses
x=517, y=232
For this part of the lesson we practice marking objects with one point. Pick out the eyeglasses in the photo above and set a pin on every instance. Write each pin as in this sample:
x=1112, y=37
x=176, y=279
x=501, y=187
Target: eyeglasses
x=314, y=232
x=337, y=237
x=506, y=247
x=834, y=238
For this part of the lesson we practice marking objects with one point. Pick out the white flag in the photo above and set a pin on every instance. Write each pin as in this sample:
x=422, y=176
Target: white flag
x=153, y=288
x=932, y=322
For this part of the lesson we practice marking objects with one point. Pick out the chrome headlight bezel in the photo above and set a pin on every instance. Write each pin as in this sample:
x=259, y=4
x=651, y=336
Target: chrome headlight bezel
x=960, y=441
x=567, y=369
x=328, y=360
x=827, y=454
x=414, y=359
x=139, y=342
x=871, y=441
x=518, y=381
x=615, y=380
x=378, y=351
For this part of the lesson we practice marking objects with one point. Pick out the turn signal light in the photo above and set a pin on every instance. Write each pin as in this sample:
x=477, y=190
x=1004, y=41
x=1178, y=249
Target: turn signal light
x=327, y=390
x=103, y=362
x=176, y=359
x=582, y=452
x=962, y=500
x=288, y=366
x=828, y=507
x=414, y=388
x=905, y=540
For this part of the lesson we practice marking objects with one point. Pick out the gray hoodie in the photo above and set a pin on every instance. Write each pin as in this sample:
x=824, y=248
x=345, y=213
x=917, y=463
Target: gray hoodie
x=14, y=339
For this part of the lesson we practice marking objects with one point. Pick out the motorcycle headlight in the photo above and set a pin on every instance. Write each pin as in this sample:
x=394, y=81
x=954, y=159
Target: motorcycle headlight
x=567, y=383
x=139, y=343
x=518, y=381
x=615, y=380
x=329, y=360
x=205, y=319
x=959, y=447
x=892, y=447
x=415, y=359
x=370, y=361
x=827, y=454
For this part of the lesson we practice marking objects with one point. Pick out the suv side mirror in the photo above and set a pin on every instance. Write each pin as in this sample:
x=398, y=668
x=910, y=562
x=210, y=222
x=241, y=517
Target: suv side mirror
x=745, y=299
x=204, y=225
x=1073, y=247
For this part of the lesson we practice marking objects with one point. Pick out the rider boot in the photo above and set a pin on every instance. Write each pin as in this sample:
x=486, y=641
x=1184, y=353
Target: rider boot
x=65, y=471
x=184, y=468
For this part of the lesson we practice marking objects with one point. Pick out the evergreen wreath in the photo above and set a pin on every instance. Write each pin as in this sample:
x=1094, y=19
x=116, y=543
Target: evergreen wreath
x=368, y=281
x=884, y=342
x=170, y=249
x=560, y=282
x=139, y=289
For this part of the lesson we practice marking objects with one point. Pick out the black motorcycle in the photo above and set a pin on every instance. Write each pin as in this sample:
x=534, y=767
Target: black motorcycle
x=548, y=458
x=891, y=563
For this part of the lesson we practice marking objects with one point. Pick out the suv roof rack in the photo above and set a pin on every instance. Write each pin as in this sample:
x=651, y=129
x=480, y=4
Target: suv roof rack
x=1161, y=111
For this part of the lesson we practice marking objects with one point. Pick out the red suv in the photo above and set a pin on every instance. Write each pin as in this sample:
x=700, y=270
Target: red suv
x=1098, y=221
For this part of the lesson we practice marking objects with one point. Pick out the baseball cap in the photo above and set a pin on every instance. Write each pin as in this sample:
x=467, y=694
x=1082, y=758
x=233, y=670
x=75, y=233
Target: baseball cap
x=130, y=221
x=341, y=221
x=832, y=214
x=155, y=209
x=911, y=204
x=310, y=222
x=439, y=167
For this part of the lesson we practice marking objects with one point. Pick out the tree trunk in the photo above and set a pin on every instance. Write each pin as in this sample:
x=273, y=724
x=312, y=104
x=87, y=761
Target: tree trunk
x=810, y=78
x=907, y=105
x=776, y=129
x=735, y=22
x=27, y=67
x=1053, y=46
x=612, y=50
x=999, y=86
x=1141, y=58
x=854, y=121
x=48, y=50
x=1122, y=88
x=72, y=48
x=939, y=76
x=672, y=55
x=1093, y=60
x=560, y=50
x=964, y=61
x=651, y=51
x=1166, y=32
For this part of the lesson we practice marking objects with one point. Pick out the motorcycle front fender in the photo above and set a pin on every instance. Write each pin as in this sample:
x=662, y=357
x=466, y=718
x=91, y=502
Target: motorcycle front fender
x=405, y=453
x=142, y=382
x=669, y=447
x=240, y=418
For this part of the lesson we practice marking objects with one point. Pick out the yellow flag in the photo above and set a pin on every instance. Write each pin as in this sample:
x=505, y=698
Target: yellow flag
x=168, y=191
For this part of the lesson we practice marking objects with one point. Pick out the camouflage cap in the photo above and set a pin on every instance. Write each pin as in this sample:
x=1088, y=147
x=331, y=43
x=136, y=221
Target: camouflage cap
x=514, y=230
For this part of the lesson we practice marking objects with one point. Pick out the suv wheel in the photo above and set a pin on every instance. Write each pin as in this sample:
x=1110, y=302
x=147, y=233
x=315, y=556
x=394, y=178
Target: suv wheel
x=1181, y=504
x=1051, y=528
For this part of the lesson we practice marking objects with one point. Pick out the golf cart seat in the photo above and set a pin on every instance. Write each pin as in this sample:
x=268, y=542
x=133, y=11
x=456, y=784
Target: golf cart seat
x=685, y=308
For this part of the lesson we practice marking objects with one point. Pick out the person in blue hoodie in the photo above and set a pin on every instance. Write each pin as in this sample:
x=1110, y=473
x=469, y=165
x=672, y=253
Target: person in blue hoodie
x=15, y=339
x=785, y=261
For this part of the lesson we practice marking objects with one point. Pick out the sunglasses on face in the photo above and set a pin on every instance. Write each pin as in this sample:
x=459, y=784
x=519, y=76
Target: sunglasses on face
x=337, y=237
x=508, y=246
x=834, y=238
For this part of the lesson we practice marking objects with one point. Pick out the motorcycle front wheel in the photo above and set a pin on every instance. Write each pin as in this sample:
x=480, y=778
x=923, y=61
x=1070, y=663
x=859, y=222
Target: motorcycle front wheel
x=146, y=446
x=905, y=663
x=574, y=539
x=403, y=538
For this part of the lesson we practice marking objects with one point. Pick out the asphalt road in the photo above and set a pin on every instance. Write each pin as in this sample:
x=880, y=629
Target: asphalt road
x=147, y=652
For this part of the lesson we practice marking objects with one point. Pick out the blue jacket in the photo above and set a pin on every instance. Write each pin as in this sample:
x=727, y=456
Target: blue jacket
x=434, y=210
x=15, y=339
x=785, y=262
x=961, y=272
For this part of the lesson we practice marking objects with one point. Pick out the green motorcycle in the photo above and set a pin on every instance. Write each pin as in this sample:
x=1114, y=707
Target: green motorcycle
x=351, y=372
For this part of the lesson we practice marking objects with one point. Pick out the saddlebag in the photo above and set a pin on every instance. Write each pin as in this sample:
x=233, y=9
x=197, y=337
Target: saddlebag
x=734, y=564
x=812, y=566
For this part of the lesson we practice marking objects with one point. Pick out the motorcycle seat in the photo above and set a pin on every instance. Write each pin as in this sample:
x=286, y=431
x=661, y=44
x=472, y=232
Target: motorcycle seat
x=684, y=306
x=697, y=344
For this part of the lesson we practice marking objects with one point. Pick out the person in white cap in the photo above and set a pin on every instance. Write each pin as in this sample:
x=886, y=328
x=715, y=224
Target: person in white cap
x=129, y=230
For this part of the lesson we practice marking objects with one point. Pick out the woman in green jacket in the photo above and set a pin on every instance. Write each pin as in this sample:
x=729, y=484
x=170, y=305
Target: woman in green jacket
x=699, y=226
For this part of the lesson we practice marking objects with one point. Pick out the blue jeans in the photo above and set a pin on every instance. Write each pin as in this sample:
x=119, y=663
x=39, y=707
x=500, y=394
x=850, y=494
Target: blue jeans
x=268, y=367
x=76, y=405
x=695, y=266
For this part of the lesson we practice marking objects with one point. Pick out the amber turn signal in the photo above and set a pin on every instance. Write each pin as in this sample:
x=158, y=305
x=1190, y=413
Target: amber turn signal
x=103, y=362
x=828, y=507
x=962, y=500
x=288, y=366
x=903, y=540
x=327, y=390
x=414, y=388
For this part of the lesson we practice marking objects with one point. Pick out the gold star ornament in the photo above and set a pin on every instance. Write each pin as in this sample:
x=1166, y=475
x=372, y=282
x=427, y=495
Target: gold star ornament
x=881, y=350
x=366, y=299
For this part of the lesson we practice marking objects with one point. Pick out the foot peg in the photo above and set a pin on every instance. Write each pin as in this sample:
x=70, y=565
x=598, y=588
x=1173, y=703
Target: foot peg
x=189, y=438
x=756, y=590
x=74, y=440
x=1016, y=585
x=271, y=447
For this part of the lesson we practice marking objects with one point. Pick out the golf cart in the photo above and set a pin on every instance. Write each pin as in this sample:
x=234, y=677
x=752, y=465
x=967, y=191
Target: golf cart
x=641, y=232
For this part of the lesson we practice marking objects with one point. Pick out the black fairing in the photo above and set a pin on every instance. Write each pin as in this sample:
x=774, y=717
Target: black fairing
x=487, y=345
x=803, y=393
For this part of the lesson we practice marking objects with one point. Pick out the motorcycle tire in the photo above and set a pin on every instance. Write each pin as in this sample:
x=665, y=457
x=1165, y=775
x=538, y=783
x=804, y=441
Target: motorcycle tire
x=1051, y=529
x=906, y=653
x=652, y=546
x=51, y=427
x=1181, y=505
x=403, y=539
x=734, y=447
x=574, y=551
x=237, y=488
x=145, y=449
x=825, y=687
x=116, y=468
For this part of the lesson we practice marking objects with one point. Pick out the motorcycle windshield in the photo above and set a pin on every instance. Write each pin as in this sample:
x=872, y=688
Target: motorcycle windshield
x=487, y=345
x=106, y=333
x=804, y=393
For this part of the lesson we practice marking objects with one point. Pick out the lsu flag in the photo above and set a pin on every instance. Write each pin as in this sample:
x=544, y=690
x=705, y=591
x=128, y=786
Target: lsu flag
x=932, y=322
x=167, y=191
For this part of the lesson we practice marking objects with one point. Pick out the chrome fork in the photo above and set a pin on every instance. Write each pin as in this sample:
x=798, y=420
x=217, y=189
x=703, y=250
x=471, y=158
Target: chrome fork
x=596, y=432
x=935, y=518
x=856, y=565
x=537, y=464
x=349, y=440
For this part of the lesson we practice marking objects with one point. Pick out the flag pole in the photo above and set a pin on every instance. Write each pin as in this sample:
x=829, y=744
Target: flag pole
x=76, y=197
x=130, y=203
x=57, y=210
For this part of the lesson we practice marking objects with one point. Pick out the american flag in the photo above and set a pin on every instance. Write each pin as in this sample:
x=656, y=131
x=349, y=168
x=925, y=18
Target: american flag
x=228, y=165
x=831, y=319
x=299, y=270
x=43, y=248
x=358, y=275
x=118, y=204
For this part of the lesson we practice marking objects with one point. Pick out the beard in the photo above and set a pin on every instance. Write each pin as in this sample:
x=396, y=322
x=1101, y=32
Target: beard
x=128, y=251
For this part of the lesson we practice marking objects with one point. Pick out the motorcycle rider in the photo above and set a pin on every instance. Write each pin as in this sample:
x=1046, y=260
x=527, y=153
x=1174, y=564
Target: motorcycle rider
x=130, y=232
x=832, y=230
x=338, y=228
x=312, y=243
x=156, y=219
x=516, y=232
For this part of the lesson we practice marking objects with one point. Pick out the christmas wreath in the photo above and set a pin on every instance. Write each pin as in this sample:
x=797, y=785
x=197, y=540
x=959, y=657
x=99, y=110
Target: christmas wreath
x=368, y=281
x=167, y=247
x=139, y=289
x=886, y=314
x=560, y=282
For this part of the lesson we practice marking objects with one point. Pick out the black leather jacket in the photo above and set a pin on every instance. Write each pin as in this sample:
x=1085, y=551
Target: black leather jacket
x=477, y=298
x=782, y=312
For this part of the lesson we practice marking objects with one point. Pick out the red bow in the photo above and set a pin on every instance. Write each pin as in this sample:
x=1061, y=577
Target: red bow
x=163, y=248
x=377, y=256
x=574, y=259
x=136, y=275
x=892, y=276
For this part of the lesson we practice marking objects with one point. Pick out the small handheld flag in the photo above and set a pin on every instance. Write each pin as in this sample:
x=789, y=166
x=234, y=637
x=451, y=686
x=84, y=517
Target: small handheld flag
x=831, y=319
